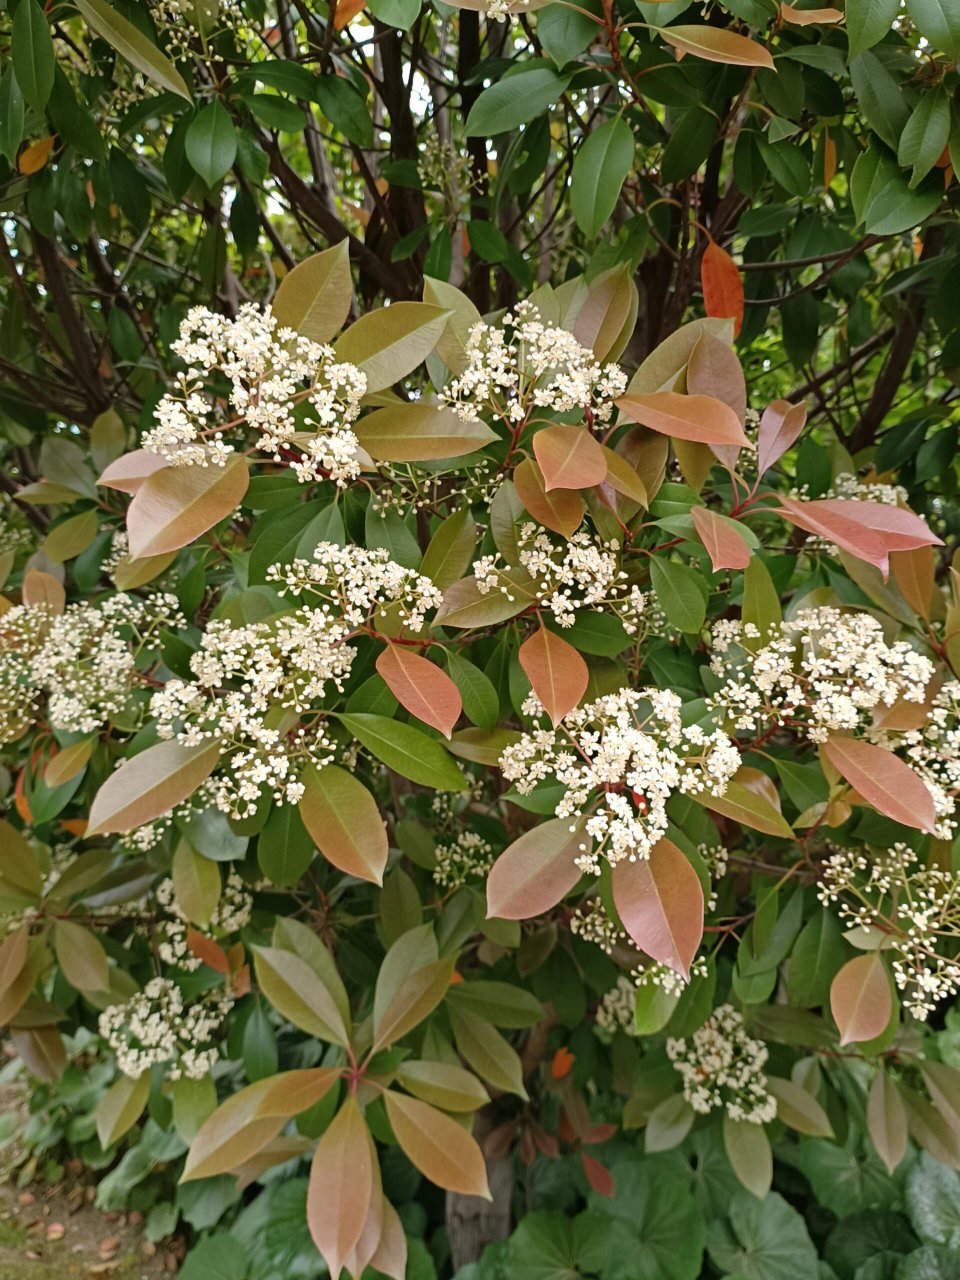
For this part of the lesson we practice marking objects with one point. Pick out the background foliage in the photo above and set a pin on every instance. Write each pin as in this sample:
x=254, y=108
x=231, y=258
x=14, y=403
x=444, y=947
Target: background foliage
x=672, y=184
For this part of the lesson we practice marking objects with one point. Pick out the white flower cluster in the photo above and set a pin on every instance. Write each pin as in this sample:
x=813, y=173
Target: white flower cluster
x=620, y=759
x=523, y=364
x=271, y=370
x=722, y=1066
x=83, y=661
x=357, y=582
x=617, y=1010
x=850, y=488
x=934, y=753
x=231, y=914
x=827, y=670
x=582, y=573
x=907, y=909
x=155, y=1026
x=591, y=923
x=470, y=857
x=246, y=678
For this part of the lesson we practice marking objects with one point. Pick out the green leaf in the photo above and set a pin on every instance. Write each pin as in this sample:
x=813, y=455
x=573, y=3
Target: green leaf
x=761, y=600
x=666, y=1222
x=401, y=14
x=211, y=143
x=33, y=56
x=553, y=1246
x=748, y=1150
x=121, y=1107
x=345, y=107
x=499, y=1002
x=565, y=31
x=879, y=97
x=451, y=549
x=298, y=992
x=196, y=884
x=925, y=134
x=406, y=751
x=284, y=848
x=689, y=144
x=11, y=115
x=681, y=592
x=600, y=168
x=868, y=21
x=133, y=45
x=515, y=99
x=481, y=704
x=389, y=343
x=939, y=22
x=817, y=955
x=883, y=199
x=762, y=1239
x=484, y=1049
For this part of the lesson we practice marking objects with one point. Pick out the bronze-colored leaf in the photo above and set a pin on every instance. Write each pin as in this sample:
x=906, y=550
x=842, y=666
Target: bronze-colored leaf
x=556, y=671
x=436, y=1145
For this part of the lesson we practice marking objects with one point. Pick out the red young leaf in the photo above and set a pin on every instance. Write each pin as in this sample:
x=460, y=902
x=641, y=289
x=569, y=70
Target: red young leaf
x=860, y=999
x=569, y=457
x=338, y=1194
x=660, y=901
x=598, y=1175
x=722, y=286
x=425, y=690
x=701, y=418
x=556, y=670
x=884, y=781
x=210, y=952
x=535, y=872
x=723, y=541
x=780, y=425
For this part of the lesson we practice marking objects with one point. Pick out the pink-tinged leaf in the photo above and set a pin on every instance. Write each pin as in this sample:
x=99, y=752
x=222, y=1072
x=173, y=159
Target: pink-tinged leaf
x=716, y=44
x=175, y=506
x=598, y=1175
x=360, y=1256
x=883, y=780
x=887, y=1120
x=780, y=425
x=536, y=871
x=391, y=1255
x=561, y=510
x=556, y=670
x=660, y=901
x=569, y=457
x=43, y=589
x=714, y=370
x=868, y=530
x=341, y=1179
x=860, y=999
x=914, y=573
x=440, y=1148
x=722, y=287
x=724, y=542
x=421, y=687
x=149, y=785
x=128, y=472
x=701, y=418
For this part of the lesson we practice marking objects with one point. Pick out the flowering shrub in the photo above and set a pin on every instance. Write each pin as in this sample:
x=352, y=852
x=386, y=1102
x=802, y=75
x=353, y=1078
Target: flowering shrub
x=494, y=752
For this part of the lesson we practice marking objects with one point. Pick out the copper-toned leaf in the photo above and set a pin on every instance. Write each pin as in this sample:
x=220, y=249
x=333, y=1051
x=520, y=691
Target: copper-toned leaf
x=42, y=1051
x=714, y=370
x=913, y=572
x=860, y=999
x=598, y=1175
x=780, y=425
x=701, y=418
x=81, y=956
x=750, y=807
x=556, y=671
x=887, y=1120
x=417, y=995
x=67, y=763
x=421, y=687
x=624, y=478
x=561, y=510
x=722, y=287
x=391, y=1254
x=251, y=1118
x=338, y=1193
x=660, y=901
x=33, y=158
x=569, y=457
x=927, y=1129
x=314, y=298
x=722, y=539
x=465, y=605
x=883, y=780
x=440, y=1148
x=177, y=505
x=44, y=589
x=943, y=1085
x=808, y=17
x=536, y=871
x=717, y=44
x=149, y=785
x=342, y=817
x=129, y=472
x=358, y=1259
